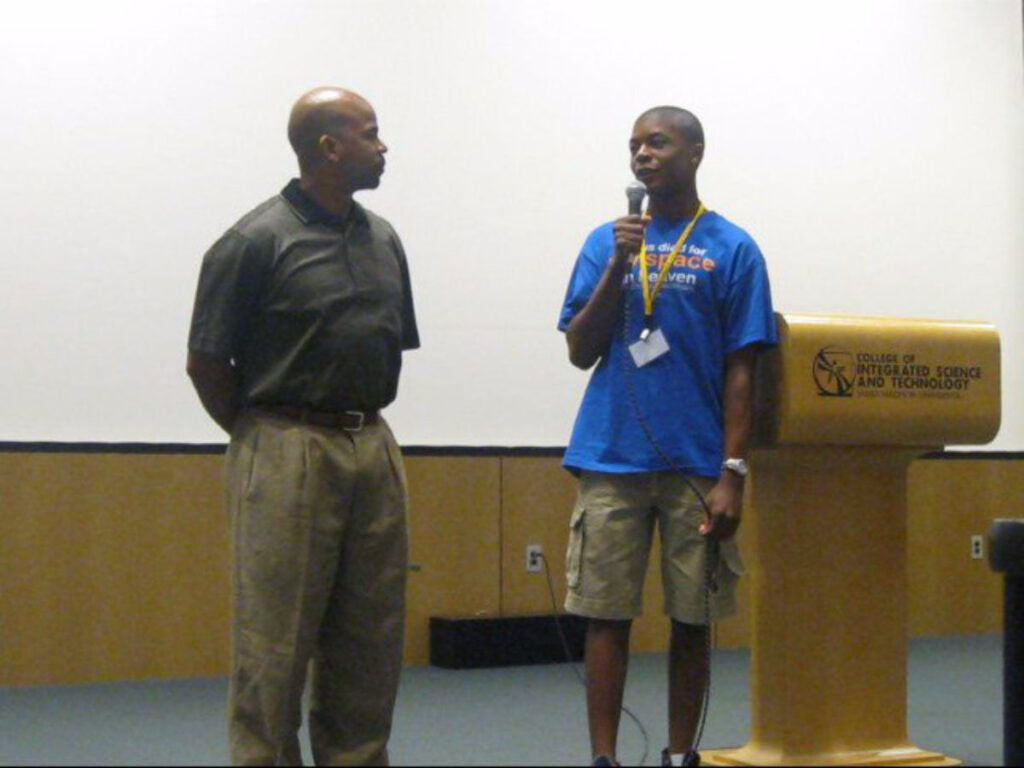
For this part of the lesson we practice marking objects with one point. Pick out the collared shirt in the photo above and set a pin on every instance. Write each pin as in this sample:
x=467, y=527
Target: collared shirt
x=313, y=310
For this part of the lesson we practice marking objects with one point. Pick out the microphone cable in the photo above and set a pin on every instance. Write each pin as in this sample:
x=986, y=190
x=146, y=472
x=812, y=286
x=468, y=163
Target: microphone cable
x=692, y=756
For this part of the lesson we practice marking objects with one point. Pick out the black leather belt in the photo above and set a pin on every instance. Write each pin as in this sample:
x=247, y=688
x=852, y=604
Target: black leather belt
x=349, y=421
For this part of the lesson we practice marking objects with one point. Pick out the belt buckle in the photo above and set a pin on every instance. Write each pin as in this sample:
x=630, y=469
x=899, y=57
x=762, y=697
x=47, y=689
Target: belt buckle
x=359, y=427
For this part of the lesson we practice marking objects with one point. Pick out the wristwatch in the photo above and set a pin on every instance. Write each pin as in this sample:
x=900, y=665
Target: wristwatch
x=739, y=466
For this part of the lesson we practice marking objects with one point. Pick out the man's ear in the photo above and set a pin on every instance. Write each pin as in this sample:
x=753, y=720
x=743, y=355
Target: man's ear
x=697, y=155
x=330, y=148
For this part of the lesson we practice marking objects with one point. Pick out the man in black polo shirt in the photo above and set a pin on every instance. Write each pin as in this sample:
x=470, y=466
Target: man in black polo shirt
x=302, y=312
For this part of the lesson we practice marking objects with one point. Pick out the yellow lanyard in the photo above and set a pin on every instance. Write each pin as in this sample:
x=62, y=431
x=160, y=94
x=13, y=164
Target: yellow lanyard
x=651, y=295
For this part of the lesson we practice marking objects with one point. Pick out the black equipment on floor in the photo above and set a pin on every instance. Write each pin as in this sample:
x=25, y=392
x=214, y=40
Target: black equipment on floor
x=1006, y=556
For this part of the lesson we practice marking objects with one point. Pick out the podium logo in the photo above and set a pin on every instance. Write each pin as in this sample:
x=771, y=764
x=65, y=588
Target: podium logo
x=833, y=372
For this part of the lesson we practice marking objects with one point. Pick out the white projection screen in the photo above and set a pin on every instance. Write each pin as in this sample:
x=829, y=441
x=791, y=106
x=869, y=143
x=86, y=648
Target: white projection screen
x=874, y=150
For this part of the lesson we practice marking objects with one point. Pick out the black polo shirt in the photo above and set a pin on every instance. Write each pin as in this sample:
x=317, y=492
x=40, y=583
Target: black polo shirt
x=313, y=310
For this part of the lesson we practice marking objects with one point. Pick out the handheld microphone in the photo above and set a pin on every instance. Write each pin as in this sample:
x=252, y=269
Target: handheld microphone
x=635, y=193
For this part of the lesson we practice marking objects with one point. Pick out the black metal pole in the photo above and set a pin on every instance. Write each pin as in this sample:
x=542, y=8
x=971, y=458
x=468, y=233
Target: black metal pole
x=1006, y=553
x=1013, y=672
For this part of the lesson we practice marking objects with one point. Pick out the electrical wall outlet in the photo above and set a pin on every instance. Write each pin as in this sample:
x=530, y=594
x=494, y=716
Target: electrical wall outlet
x=534, y=558
x=977, y=547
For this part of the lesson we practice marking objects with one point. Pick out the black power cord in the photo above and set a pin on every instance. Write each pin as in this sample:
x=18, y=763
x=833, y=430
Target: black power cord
x=579, y=676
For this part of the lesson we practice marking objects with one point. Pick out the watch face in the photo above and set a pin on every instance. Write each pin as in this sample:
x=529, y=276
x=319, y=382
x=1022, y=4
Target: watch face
x=739, y=466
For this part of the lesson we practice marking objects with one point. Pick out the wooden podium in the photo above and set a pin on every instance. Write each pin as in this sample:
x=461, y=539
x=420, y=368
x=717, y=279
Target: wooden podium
x=842, y=407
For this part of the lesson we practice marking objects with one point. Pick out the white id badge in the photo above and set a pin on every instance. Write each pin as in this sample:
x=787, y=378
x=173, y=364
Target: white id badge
x=648, y=349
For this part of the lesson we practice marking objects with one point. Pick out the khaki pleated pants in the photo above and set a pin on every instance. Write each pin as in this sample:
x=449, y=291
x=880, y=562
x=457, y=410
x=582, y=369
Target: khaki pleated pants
x=319, y=560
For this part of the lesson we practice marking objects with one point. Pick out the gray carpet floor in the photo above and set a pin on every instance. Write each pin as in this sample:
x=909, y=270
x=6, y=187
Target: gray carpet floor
x=512, y=716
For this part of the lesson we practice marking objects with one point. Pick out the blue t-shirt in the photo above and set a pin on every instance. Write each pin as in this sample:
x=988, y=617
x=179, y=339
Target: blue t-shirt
x=715, y=301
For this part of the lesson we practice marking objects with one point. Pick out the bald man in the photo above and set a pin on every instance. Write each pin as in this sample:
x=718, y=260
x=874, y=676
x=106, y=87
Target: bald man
x=301, y=316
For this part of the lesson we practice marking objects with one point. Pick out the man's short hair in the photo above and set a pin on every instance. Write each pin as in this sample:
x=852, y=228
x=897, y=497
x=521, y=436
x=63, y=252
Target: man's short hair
x=683, y=119
x=305, y=135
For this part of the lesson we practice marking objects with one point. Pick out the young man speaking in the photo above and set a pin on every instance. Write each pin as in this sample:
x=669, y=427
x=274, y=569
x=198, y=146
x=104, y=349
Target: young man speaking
x=673, y=307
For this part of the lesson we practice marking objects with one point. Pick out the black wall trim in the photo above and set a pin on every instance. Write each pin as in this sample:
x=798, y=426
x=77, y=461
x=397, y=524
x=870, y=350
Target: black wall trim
x=975, y=455
x=115, y=448
x=407, y=450
x=456, y=450
x=219, y=448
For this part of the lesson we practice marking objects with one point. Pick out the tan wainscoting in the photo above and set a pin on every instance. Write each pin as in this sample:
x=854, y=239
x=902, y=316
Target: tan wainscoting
x=113, y=566
x=455, y=535
x=949, y=501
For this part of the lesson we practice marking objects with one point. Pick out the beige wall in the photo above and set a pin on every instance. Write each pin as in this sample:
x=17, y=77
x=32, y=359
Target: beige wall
x=114, y=566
